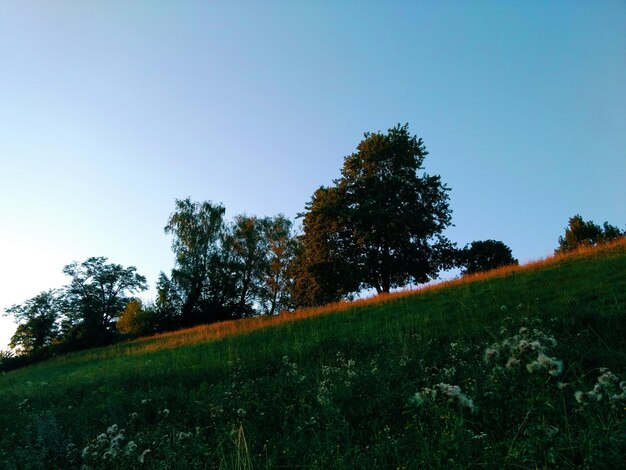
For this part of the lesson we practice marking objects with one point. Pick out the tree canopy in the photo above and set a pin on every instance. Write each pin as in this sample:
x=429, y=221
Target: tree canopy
x=196, y=228
x=485, y=255
x=38, y=322
x=96, y=295
x=381, y=224
x=579, y=233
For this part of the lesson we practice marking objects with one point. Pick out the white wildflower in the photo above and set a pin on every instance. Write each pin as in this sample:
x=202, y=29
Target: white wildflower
x=552, y=431
x=130, y=447
x=142, y=457
x=512, y=362
x=580, y=396
x=491, y=353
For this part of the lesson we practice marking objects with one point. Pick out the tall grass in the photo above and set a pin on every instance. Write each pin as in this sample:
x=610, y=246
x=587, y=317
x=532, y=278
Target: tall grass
x=368, y=384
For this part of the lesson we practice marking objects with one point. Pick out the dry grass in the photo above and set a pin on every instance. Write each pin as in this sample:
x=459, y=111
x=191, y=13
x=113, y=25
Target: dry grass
x=216, y=331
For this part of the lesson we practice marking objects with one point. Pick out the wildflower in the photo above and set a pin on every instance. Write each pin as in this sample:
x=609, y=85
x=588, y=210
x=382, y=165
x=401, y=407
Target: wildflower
x=115, y=442
x=512, y=362
x=102, y=439
x=533, y=366
x=491, y=353
x=580, y=396
x=86, y=451
x=452, y=392
x=554, y=366
x=552, y=431
x=130, y=447
x=142, y=457
x=607, y=378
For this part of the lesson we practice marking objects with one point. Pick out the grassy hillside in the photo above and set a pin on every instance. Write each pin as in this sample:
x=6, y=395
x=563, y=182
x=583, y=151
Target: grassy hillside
x=521, y=368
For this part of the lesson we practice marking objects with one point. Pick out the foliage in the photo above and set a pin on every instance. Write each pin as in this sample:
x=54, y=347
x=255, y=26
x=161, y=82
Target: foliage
x=248, y=245
x=137, y=320
x=579, y=233
x=274, y=295
x=380, y=225
x=485, y=255
x=38, y=320
x=197, y=228
x=97, y=294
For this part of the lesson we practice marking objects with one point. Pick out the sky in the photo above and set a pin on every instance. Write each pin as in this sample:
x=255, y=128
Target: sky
x=111, y=110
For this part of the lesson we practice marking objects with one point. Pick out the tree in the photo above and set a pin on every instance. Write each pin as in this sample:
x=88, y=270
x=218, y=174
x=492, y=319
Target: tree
x=247, y=244
x=197, y=229
x=485, y=255
x=579, y=233
x=38, y=322
x=280, y=251
x=380, y=225
x=96, y=295
x=137, y=320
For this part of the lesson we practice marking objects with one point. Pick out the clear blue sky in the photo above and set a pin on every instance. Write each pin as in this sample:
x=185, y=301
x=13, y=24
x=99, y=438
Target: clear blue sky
x=110, y=110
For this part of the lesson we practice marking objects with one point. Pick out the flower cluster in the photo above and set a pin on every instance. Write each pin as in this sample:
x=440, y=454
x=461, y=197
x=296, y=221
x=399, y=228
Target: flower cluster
x=450, y=393
x=108, y=445
x=608, y=385
x=529, y=346
x=342, y=374
x=291, y=370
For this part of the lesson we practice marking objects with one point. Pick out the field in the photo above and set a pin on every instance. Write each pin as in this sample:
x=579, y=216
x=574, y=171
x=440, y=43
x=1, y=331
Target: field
x=519, y=368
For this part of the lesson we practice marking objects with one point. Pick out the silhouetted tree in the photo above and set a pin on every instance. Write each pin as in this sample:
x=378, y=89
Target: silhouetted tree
x=198, y=229
x=381, y=224
x=169, y=300
x=38, y=322
x=247, y=244
x=579, y=233
x=96, y=295
x=485, y=255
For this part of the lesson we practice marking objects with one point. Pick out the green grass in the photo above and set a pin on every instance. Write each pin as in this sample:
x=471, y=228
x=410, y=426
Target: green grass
x=353, y=389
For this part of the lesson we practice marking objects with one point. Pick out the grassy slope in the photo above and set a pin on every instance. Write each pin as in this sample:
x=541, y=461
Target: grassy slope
x=335, y=389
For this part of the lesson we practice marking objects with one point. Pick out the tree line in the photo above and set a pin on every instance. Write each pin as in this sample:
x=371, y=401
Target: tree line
x=379, y=226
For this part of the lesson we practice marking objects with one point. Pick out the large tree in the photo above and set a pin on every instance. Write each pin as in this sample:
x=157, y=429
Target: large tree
x=247, y=245
x=37, y=320
x=485, y=255
x=97, y=294
x=380, y=225
x=197, y=229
